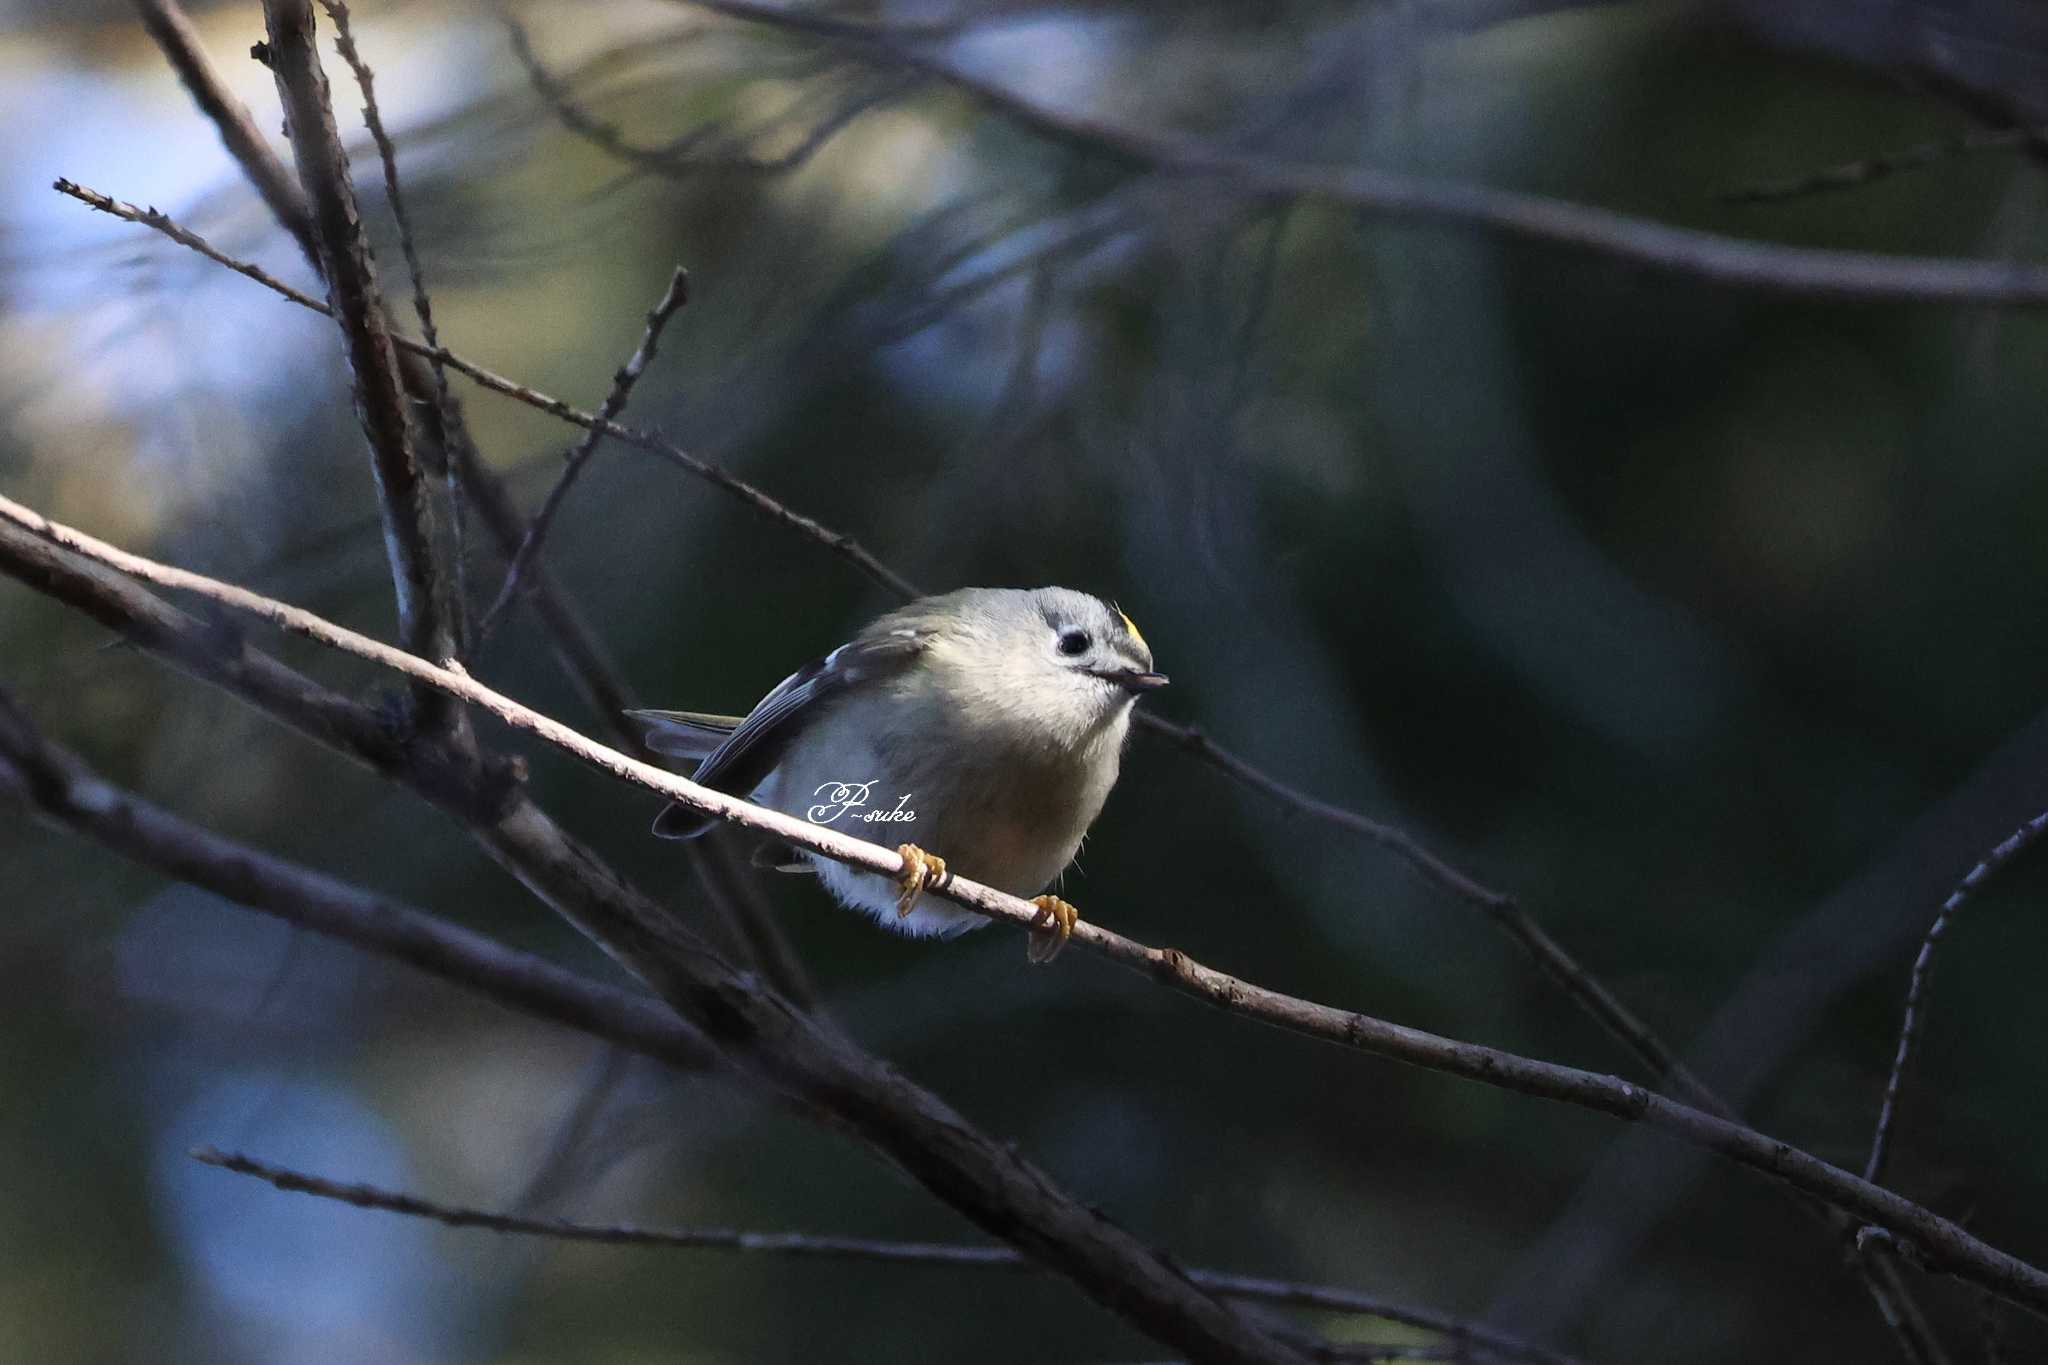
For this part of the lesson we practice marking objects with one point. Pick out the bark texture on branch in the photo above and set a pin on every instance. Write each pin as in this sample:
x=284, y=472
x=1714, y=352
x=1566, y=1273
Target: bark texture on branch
x=426, y=607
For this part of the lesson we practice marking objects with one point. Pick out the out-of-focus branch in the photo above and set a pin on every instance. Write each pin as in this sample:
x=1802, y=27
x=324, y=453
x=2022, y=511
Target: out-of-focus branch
x=757, y=1031
x=173, y=32
x=763, y=1032
x=837, y=541
x=1869, y=170
x=623, y=380
x=821, y=1246
x=426, y=604
x=686, y=156
x=1685, y=251
x=2018, y=842
x=63, y=790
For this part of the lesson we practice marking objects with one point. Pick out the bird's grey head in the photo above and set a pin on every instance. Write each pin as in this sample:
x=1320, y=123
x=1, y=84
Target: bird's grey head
x=1060, y=665
x=1085, y=637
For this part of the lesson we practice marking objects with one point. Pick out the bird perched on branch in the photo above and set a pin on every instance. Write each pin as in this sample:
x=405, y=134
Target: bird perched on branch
x=978, y=731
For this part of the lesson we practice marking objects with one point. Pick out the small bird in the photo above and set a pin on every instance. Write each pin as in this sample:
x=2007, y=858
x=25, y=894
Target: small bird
x=988, y=723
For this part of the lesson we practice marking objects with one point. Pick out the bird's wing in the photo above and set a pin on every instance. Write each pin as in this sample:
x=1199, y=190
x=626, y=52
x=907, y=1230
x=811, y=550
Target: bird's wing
x=757, y=744
x=685, y=734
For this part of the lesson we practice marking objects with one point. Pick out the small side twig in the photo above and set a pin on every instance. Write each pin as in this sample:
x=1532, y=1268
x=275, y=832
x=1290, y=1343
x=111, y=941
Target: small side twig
x=823, y=1246
x=2017, y=843
x=1868, y=170
x=576, y=457
x=422, y=306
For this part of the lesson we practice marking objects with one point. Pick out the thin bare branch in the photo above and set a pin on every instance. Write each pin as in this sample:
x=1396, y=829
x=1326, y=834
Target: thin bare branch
x=422, y=306
x=57, y=560
x=672, y=300
x=822, y=1246
x=2018, y=842
x=1685, y=251
x=1498, y=906
x=425, y=593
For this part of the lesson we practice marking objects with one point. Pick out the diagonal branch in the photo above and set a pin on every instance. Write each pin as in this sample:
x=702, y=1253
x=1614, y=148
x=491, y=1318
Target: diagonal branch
x=758, y=1032
x=426, y=621
x=67, y=793
x=765, y=1034
x=2018, y=842
x=422, y=306
x=818, y=1246
x=1498, y=906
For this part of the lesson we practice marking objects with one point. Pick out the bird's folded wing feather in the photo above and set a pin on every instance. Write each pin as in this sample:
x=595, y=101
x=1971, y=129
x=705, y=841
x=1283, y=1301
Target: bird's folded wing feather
x=738, y=761
x=686, y=734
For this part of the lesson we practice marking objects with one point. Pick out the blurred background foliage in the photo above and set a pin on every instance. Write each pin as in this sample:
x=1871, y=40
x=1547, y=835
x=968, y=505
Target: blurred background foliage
x=1706, y=622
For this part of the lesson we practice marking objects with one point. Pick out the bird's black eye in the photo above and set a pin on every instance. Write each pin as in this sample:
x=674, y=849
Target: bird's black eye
x=1074, y=642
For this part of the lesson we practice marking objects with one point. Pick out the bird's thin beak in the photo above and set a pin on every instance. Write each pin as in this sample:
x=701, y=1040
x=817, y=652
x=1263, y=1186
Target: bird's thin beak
x=1130, y=679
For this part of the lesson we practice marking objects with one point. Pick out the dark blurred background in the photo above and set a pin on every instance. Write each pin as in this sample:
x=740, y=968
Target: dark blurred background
x=1704, y=621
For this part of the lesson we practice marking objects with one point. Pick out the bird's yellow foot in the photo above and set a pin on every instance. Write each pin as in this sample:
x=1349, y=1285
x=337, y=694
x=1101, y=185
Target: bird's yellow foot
x=921, y=870
x=1049, y=932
